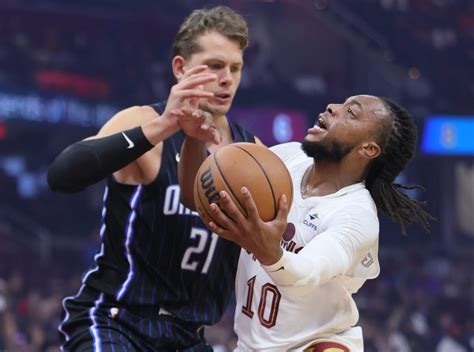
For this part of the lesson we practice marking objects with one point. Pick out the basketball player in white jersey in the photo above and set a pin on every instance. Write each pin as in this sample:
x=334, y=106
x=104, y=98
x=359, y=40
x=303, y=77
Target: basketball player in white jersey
x=298, y=272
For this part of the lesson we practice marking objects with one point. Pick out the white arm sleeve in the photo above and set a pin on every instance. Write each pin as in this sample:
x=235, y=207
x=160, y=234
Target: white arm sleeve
x=330, y=254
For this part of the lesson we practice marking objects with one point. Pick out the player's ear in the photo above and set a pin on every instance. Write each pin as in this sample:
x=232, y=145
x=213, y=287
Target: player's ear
x=178, y=64
x=370, y=150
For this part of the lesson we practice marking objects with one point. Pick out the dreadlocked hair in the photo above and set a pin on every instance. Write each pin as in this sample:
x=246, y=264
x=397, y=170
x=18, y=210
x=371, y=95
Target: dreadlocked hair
x=399, y=142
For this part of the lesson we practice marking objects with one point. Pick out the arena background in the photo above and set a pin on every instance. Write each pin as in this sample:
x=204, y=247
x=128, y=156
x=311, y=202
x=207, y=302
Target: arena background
x=67, y=66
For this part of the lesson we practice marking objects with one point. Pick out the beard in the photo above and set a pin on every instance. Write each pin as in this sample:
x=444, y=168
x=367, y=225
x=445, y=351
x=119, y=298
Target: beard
x=335, y=152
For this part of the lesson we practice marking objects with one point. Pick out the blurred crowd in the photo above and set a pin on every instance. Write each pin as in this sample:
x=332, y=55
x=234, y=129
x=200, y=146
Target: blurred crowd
x=434, y=38
x=422, y=301
x=80, y=55
x=121, y=54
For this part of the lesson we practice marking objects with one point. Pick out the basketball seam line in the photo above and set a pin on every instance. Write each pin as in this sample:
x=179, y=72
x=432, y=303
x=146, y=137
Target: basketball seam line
x=225, y=181
x=266, y=177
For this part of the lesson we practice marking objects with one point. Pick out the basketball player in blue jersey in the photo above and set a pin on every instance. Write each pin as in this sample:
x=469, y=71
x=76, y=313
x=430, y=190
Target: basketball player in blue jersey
x=160, y=275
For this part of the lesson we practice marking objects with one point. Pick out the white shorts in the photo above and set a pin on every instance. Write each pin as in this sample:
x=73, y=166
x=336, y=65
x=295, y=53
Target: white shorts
x=348, y=341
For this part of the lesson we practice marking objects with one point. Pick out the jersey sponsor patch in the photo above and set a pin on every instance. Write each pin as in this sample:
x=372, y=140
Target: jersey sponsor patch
x=312, y=221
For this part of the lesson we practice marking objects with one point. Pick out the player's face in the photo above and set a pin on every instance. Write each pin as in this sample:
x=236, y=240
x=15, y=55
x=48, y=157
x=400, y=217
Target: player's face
x=224, y=58
x=345, y=127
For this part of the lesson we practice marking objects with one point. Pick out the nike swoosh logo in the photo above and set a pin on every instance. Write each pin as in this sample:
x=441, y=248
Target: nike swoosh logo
x=280, y=268
x=129, y=141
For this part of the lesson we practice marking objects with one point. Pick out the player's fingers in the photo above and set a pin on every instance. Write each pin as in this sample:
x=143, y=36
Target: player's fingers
x=217, y=135
x=228, y=206
x=193, y=102
x=176, y=112
x=193, y=82
x=193, y=93
x=182, y=113
x=206, y=124
x=194, y=70
x=196, y=81
x=213, y=134
x=221, y=232
x=283, y=210
x=250, y=205
x=198, y=114
x=221, y=217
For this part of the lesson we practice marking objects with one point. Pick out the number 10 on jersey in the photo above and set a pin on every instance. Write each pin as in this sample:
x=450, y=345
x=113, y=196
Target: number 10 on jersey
x=267, y=307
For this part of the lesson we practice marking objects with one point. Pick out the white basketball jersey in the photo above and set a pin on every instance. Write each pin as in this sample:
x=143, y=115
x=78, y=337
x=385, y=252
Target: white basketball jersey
x=274, y=318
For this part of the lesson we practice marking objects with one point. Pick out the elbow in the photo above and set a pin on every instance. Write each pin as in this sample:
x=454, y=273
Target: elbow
x=53, y=181
x=57, y=183
x=296, y=291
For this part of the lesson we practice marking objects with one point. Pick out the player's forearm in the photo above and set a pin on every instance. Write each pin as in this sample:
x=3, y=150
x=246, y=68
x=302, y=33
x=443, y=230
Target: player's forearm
x=193, y=153
x=160, y=128
x=299, y=273
x=89, y=161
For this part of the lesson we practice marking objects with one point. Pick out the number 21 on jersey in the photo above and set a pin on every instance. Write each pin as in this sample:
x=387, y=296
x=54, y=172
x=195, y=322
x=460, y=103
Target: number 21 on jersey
x=202, y=235
x=267, y=307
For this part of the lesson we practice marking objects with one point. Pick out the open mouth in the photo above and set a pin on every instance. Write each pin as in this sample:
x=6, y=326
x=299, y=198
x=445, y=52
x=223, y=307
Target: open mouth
x=321, y=124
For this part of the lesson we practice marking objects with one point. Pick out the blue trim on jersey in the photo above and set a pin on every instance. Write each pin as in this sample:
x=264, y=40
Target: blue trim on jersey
x=102, y=232
x=110, y=335
x=96, y=257
x=67, y=316
x=128, y=241
x=93, y=329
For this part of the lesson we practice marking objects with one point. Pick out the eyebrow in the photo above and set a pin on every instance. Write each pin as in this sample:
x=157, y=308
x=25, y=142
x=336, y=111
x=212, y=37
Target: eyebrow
x=355, y=102
x=220, y=60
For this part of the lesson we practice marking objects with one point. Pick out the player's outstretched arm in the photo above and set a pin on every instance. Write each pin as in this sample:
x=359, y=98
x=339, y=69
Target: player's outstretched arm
x=122, y=144
x=349, y=235
x=328, y=255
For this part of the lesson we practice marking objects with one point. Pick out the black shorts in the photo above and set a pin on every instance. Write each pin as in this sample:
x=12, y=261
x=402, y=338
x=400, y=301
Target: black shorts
x=93, y=321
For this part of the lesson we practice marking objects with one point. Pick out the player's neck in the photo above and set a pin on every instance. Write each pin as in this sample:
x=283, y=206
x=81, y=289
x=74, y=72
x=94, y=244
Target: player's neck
x=326, y=178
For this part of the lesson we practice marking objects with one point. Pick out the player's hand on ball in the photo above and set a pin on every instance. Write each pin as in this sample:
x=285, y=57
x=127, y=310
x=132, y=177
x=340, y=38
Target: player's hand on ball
x=250, y=232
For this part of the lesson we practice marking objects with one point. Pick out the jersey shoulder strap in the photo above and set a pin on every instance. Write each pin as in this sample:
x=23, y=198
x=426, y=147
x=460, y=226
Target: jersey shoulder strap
x=240, y=134
x=159, y=107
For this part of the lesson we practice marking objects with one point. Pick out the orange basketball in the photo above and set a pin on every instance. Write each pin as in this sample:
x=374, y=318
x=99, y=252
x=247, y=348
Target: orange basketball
x=235, y=166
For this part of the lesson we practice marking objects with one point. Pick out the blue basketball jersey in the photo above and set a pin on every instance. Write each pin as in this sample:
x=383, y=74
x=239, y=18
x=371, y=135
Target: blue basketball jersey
x=155, y=252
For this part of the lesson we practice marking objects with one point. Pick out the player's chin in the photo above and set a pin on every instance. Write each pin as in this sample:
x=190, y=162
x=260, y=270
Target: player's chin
x=221, y=109
x=310, y=138
x=216, y=109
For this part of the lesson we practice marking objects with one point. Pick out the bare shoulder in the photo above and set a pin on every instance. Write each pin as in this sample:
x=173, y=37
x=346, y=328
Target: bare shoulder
x=127, y=119
x=146, y=167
